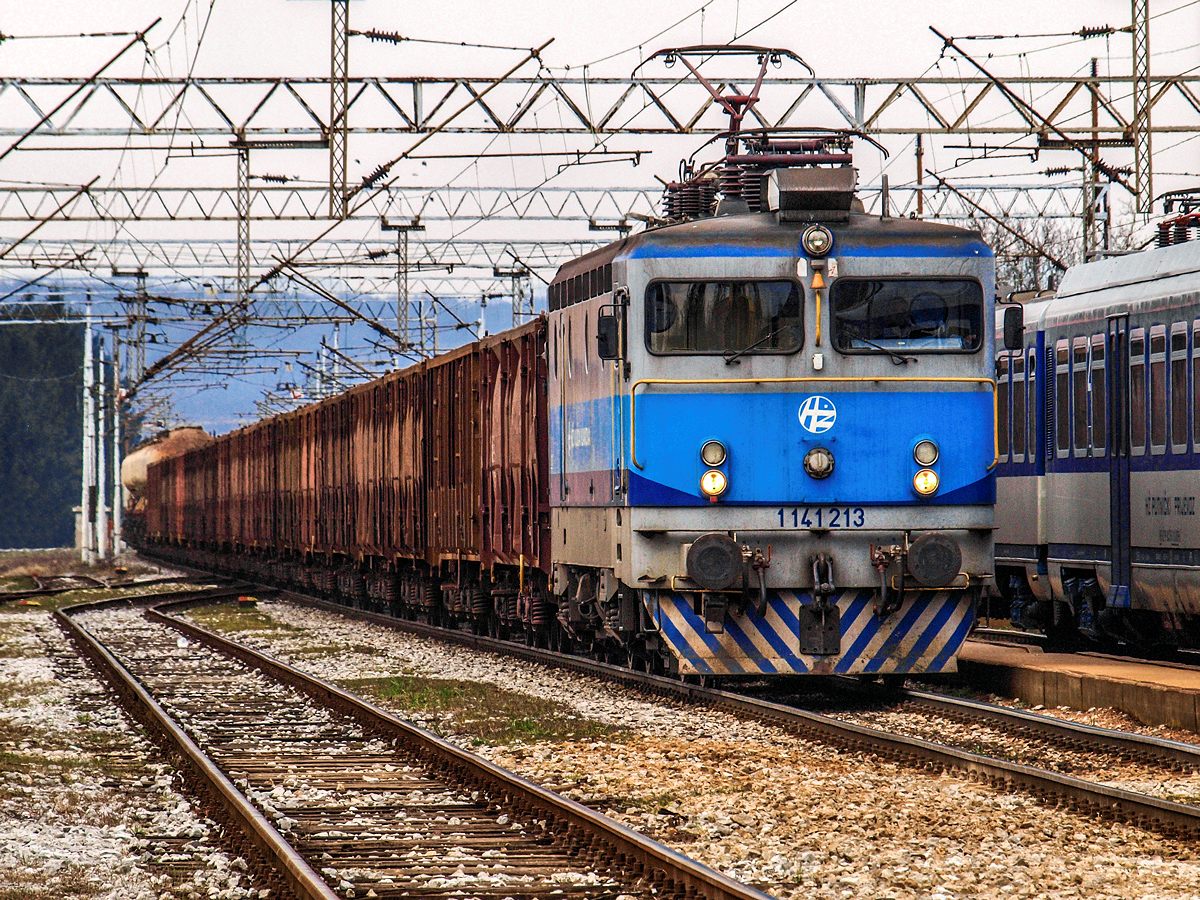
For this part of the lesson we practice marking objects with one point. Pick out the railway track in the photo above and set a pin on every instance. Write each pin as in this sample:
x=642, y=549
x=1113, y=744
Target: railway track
x=67, y=584
x=337, y=798
x=1092, y=749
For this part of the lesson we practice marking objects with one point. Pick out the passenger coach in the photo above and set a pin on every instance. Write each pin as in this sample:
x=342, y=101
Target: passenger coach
x=1099, y=451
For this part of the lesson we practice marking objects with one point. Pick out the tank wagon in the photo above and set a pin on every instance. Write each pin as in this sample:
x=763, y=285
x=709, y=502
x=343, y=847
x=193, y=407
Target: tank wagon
x=756, y=440
x=1098, y=538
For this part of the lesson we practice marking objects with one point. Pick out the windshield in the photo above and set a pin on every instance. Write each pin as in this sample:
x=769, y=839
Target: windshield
x=723, y=317
x=906, y=314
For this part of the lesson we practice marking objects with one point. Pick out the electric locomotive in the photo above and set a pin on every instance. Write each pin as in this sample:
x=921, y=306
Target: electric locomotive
x=1098, y=541
x=772, y=431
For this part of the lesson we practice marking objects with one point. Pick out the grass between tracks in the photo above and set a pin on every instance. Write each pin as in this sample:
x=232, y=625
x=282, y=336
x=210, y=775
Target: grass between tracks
x=484, y=712
x=232, y=617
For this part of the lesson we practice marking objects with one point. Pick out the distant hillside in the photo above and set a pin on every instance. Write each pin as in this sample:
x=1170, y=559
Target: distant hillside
x=40, y=432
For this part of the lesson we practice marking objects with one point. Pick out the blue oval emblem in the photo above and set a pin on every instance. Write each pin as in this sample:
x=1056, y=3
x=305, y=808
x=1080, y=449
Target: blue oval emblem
x=817, y=414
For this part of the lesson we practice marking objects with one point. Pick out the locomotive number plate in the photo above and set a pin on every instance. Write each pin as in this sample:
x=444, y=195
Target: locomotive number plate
x=822, y=517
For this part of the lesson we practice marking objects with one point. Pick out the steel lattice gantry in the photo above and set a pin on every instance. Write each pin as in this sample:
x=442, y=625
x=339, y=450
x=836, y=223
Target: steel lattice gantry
x=599, y=206
x=165, y=109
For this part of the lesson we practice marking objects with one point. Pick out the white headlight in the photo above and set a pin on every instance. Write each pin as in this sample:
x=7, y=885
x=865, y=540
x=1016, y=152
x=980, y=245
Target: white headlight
x=713, y=482
x=713, y=453
x=925, y=453
x=817, y=240
x=925, y=482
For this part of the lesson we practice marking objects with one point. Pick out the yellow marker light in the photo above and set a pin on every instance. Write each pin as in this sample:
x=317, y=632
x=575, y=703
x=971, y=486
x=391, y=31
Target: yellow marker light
x=925, y=482
x=713, y=483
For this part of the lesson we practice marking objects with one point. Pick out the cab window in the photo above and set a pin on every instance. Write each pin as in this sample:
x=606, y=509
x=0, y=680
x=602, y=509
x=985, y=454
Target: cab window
x=876, y=315
x=723, y=317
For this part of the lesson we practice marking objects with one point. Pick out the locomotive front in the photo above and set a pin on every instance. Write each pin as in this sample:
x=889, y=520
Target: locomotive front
x=772, y=438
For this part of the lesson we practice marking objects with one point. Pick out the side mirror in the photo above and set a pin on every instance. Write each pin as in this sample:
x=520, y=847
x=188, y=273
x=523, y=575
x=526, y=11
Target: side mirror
x=1014, y=327
x=608, y=344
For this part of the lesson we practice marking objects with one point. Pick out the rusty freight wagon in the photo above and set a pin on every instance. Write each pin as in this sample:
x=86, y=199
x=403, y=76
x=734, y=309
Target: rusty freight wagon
x=423, y=492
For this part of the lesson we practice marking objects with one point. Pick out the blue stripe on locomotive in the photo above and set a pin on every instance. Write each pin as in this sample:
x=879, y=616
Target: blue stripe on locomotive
x=922, y=636
x=956, y=248
x=766, y=443
x=871, y=441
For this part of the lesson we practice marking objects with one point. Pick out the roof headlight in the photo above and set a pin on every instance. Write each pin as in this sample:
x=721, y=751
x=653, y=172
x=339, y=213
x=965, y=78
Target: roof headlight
x=713, y=483
x=713, y=453
x=925, y=482
x=925, y=453
x=817, y=240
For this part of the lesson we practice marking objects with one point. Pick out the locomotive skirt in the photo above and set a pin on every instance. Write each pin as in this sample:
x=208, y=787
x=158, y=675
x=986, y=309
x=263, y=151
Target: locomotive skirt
x=923, y=635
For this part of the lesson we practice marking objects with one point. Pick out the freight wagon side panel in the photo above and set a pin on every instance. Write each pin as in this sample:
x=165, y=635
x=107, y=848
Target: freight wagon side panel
x=178, y=498
x=156, y=505
x=454, y=457
x=409, y=482
x=513, y=412
x=235, y=485
x=371, y=429
x=222, y=486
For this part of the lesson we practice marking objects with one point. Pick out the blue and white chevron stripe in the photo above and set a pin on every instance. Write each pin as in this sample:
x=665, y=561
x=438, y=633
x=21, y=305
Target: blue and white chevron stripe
x=924, y=635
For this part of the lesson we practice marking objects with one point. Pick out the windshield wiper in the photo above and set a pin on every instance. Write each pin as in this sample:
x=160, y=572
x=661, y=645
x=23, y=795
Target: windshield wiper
x=897, y=359
x=731, y=359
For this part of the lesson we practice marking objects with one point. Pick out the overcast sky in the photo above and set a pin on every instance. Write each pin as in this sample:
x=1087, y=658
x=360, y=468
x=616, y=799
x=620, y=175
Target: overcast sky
x=847, y=38
x=850, y=38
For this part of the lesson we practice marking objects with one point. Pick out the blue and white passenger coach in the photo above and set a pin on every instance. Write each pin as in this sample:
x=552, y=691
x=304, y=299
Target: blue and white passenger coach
x=772, y=436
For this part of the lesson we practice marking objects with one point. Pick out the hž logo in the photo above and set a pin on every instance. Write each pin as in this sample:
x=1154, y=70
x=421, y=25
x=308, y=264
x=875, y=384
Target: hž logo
x=817, y=414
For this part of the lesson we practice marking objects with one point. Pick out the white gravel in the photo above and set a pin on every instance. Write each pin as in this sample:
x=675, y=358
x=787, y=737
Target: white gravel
x=799, y=820
x=86, y=810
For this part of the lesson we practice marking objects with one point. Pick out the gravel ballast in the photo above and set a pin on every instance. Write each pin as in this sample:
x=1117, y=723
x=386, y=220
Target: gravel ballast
x=794, y=818
x=87, y=810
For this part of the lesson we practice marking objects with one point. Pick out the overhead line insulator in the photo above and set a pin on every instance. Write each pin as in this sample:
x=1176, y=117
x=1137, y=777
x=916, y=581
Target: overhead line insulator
x=369, y=181
x=387, y=37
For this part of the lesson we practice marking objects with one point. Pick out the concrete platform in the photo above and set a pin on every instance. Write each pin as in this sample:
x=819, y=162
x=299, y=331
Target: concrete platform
x=1153, y=694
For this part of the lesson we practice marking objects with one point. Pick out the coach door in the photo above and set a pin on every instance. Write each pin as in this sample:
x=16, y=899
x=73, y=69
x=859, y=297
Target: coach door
x=1118, y=458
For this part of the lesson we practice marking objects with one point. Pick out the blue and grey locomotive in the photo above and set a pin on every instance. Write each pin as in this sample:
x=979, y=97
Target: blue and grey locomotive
x=1099, y=439
x=772, y=430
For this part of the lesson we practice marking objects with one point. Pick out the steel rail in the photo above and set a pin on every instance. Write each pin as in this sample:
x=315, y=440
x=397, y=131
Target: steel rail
x=1152, y=813
x=287, y=864
x=683, y=876
x=1177, y=753
x=97, y=586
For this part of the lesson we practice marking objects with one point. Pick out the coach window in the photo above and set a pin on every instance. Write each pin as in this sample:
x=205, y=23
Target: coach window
x=1018, y=407
x=1179, y=388
x=1196, y=386
x=1137, y=392
x=1158, y=389
x=1079, y=393
x=569, y=349
x=1002, y=398
x=587, y=345
x=1062, y=397
x=1031, y=377
x=729, y=317
x=1099, y=397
